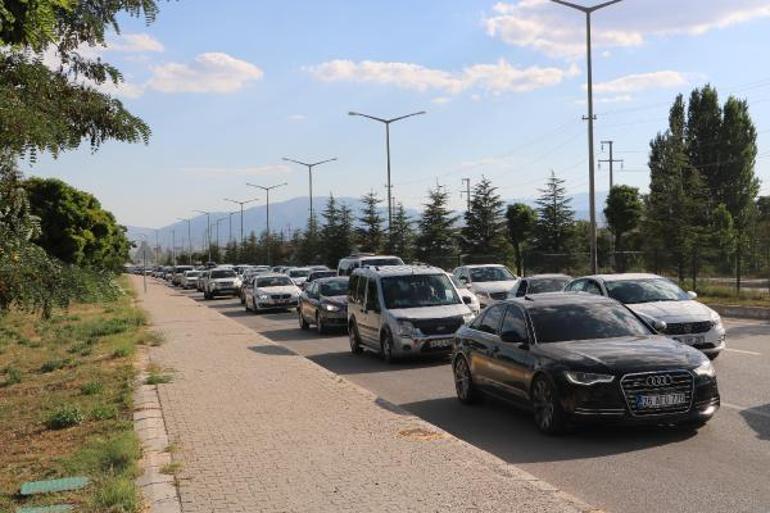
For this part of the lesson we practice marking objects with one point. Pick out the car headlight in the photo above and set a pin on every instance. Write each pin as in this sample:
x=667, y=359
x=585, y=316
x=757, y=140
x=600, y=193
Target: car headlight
x=406, y=329
x=716, y=320
x=468, y=317
x=588, y=378
x=330, y=307
x=705, y=369
x=214, y=285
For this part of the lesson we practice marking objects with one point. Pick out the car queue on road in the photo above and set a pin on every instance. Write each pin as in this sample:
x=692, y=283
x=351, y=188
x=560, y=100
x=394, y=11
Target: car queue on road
x=623, y=348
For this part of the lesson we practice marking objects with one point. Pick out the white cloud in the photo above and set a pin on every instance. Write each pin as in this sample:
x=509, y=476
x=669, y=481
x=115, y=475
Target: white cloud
x=559, y=31
x=135, y=43
x=212, y=72
x=642, y=82
x=218, y=172
x=123, y=90
x=297, y=117
x=496, y=78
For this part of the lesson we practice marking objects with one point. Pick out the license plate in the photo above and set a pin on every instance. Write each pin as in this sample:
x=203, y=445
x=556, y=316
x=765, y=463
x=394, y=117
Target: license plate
x=441, y=344
x=648, y=402
x=691, y=340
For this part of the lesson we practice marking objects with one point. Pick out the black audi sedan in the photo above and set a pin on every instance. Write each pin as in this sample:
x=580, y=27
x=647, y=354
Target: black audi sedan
x=581, y=358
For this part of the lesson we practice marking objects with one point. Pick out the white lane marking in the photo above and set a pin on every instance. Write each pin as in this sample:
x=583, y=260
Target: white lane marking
x=743, y=351
x=752, y=411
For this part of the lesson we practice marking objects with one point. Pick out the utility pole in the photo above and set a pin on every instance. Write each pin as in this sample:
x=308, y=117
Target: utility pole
x=267, y=193
x=173, y=246
x=611, y=161
x=242, y=203
x=310, y=167
x=387, y=123
x=230, y=234
x=189, y=236
x=590, y=118
x=467, y=192
x=208, y=228
x=157, y=249
x=217, y=223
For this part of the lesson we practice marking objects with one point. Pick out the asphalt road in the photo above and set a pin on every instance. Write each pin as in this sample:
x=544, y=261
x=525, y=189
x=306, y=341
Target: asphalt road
x=724, y=467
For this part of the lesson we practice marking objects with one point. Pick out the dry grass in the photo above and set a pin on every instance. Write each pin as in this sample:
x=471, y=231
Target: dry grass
x=66, y=403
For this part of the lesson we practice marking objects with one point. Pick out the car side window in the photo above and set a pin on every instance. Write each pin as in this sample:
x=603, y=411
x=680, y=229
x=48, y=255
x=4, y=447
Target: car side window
x=523, y=286
x=514, y=324
x=478, y=320
x=361, y=290
x=592, y=287
x=575, y=286
x=372, y=300
x=492, y=318
x=353, y=289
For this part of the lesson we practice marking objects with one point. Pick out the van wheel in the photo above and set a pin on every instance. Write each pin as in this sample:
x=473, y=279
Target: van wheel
x=386, y=348
x=355, y=339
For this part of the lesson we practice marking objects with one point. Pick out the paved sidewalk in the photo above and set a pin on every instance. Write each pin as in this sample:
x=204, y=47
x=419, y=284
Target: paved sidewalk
x=262, y=429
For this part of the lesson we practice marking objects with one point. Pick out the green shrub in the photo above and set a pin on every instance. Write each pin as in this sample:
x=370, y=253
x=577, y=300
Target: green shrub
x=119, y=454
x=123, y=351
x=117, y=495
x=104, y=412
x=64, y=417
x=12, y=376
x=91, y=388
x=52, y=365
x=157, y=378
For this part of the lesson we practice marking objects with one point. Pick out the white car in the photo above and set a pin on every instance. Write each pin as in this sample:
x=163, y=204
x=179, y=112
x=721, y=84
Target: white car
x=221, y=282
x=490, y=282
x=656, y=298
x=469, y=298
x=299, y=274
x=190, y=279
x=270, y=292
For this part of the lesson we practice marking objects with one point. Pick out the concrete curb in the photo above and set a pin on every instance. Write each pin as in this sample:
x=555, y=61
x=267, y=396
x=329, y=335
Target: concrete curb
x=742, y=312
x=495, y=464
x=159, y=490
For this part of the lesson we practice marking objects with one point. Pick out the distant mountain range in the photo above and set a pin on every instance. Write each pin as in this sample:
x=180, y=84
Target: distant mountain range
x=287, y=216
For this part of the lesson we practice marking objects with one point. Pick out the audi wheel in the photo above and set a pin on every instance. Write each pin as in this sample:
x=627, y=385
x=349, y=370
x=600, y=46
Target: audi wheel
x=549, y=416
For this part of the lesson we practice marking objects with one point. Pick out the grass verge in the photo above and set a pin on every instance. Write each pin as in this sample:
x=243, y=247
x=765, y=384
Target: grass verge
x=725, y=295
x=66, y=388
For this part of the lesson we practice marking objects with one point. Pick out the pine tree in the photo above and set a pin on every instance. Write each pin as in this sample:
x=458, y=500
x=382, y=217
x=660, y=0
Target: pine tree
x=336, y=234
x=484, y=233
x=401, y=237
x=308, y=247
x=556, y=222
x=370, y=234
x=437, y=239
x=521, y=221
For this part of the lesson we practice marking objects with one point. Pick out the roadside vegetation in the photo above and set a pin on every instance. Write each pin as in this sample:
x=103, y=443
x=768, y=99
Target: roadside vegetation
x=66, y=403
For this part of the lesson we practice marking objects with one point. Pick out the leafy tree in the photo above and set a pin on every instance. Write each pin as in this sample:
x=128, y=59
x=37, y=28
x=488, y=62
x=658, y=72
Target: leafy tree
x=74, y=226
x=521, y=221
x=623, y=213
x=370, y=235
x=401, y=237
x=556, y=219
x=50, y=109
x=437, y=239
x=724, y=236
x=484, y=233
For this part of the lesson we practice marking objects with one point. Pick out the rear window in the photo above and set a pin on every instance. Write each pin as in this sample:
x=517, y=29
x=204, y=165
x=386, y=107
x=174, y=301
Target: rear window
x=299, y=273
x=381, y=262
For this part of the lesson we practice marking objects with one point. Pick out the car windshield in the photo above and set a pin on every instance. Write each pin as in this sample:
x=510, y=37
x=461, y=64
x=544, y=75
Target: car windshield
x=323, y=274
x=334, y=288
x=274, y=281
x=192, y=274
x=299, y=273
x=543, y=285
x=418, y=290
x=560, y=323
x=645, y=291
x=381, y=262
x=482, y=274
x=226, y=273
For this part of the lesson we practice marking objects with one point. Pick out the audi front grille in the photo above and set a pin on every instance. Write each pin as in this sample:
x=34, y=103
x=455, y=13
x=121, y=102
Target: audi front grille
x=658, y=383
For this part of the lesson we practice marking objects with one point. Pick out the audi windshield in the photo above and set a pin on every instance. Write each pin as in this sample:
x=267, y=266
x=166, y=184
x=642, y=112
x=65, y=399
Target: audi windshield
x=561, y=323
x=418, y=291
x=645, y=291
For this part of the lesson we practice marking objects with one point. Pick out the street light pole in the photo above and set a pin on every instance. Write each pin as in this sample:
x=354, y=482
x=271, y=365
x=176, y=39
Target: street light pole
x=217, y=223
x=189, y=236
x=591, y=179
x=267, y=193
x=310, y=167
x=387, y=123
x=242, y=203
x=208, y=229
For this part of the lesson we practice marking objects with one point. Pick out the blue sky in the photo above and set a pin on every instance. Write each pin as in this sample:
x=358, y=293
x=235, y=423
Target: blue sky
x=230, y=90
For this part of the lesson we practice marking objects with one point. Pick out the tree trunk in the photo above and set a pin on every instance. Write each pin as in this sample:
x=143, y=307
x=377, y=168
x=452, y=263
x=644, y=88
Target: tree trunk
x=620, y=264
x=738, y=258
x=517, y=252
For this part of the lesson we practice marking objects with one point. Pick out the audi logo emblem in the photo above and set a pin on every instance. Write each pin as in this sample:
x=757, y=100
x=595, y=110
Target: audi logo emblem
x=659, y=381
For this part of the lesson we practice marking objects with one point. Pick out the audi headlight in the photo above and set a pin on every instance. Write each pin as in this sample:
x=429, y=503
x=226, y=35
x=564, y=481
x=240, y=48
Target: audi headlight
x=705, y=370
x=716, y=320
x=587, y=378
x=406, y=329
x=330, y=308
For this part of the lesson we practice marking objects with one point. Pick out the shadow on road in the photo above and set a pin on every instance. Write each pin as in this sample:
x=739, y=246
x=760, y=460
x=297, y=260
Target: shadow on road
x=347, y=363
x=758, y=419
x=511, y=435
